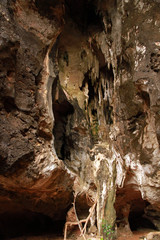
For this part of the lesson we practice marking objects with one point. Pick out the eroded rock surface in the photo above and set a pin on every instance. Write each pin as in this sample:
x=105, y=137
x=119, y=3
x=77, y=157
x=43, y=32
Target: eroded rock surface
x=79, y=105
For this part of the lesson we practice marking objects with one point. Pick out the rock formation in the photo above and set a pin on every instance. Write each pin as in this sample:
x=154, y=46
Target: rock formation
x=79, y=113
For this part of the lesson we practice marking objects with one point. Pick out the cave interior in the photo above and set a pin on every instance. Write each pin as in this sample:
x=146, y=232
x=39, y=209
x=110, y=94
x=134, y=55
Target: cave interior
x=23, y=222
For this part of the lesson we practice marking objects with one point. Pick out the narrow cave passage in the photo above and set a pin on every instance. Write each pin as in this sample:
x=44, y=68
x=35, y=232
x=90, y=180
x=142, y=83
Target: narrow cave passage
x=137, y=217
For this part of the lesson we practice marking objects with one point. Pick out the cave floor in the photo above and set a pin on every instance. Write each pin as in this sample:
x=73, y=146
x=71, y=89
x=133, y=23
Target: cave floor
x=135, y=234
x=122, y=236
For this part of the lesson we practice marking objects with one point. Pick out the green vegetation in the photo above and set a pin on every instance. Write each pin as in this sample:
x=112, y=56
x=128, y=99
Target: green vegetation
x=108, y=232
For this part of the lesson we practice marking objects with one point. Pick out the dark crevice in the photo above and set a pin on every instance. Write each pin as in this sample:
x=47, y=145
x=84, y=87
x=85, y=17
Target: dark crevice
x=100, y=56
x=139, y=115
x=91, y=93
x=146, y=98
x=84, y=14
x=137, y=221
x=102, y=90
x=62, y=108
x=109, y=76
x=87, y=81
x=94, y=112
x=108, y=23
x=136, y=122
x=108, y=113
x=9, y=104
x=3, y=160
x=108, y=108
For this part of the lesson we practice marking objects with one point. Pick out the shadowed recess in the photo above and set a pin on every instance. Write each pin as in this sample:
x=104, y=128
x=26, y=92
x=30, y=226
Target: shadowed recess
x=27, y=223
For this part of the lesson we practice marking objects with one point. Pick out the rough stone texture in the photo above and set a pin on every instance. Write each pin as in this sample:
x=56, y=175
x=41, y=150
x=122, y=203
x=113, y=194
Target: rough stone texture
x=32, y=178
x=79, y=110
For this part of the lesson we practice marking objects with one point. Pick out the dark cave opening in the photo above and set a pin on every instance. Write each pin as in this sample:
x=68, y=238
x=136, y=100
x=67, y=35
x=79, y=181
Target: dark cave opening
x=27, y=223
x=84, y=13
x=62, y=108
x=91, y=91
x=131, y=210
x=108, y=108
x=137, y=220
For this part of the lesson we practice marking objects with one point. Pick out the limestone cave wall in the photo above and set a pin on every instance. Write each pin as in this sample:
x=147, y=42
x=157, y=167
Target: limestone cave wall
x=79, y=113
